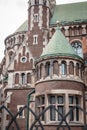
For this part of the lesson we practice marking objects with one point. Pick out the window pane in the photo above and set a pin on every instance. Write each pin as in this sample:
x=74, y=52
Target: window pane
x=52, y=114
x=60, y=99
x=52, y=99
x=77, y=114
x=77, y=100
x=43, y=116
x=71, y=99
x=23, y=78
x=71, y=115
x=60, y=110
x=63, y=68
x=43, y=100
x=21, y=114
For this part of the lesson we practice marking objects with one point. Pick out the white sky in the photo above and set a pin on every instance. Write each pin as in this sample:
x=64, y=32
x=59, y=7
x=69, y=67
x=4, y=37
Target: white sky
x=12, y=14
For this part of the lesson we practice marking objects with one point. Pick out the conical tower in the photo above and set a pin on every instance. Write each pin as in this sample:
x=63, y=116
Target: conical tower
x=59, y=81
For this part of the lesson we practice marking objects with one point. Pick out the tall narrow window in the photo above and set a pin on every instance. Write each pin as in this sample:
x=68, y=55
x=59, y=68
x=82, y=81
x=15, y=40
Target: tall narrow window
x=77, y=69
x=36, y=2
x=58, y=102
x=40, y=103
x=41, y=71
x=11, y=54
x=23, y=78
x=74, y=101
x=37, y=73
x=60, y=106
x=21, y=114
x=29, y=78
x=78, y=48
x=16, y=78
x=55, y=67
x=71, y=68
x=48, y=69
x=52, y=111
x=35, y=41
x=44, y=2
x=36, y=17
x=64, y=68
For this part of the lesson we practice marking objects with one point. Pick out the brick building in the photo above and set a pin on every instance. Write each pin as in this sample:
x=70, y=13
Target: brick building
x=49, y=59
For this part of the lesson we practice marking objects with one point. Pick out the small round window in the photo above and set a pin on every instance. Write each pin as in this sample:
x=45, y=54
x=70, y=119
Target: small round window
x=23, y=59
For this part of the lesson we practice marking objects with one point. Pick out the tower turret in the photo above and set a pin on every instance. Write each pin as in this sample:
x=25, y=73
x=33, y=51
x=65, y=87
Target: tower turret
x=39, y=14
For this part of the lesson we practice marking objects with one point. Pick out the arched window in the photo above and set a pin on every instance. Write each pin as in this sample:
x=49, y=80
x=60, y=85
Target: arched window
x=55, y=67
x=17, y=78
x=41, y=71
x=71, y=68
x=47, y=69
x=77, y=69
x=23, y=78
x=29, y=78
x=37, y=73
x=11, y=55
x=64, y=68
x=78, y=48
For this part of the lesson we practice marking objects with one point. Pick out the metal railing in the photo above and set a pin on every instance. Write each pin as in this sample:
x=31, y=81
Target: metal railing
x=37, y=123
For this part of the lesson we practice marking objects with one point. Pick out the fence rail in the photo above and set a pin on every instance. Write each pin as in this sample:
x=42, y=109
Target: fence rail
x=62, y=124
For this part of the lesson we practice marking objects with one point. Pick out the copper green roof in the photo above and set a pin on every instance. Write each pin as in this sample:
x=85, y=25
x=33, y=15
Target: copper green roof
x=23, y=27
x=66, y=13
x=73, y=12
x=58, y=46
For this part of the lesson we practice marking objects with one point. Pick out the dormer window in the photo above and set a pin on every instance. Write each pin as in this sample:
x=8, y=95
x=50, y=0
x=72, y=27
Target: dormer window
x=36, y=2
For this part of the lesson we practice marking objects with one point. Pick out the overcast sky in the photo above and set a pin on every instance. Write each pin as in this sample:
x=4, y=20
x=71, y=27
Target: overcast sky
x=12, y=14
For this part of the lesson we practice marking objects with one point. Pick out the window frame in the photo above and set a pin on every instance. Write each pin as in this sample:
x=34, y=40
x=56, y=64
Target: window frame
x=65, y=94
x=56, y=105
x=36, y=18
x=64, y=68
x=35, y=39
x=23, y=78
x=77, y=46
x=18, y=108
x=74, y=103
x=40, y=106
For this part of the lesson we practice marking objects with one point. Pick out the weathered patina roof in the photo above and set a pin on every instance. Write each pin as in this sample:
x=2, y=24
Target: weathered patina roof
x=73, y=12
x=66, y=13
x=59, y=46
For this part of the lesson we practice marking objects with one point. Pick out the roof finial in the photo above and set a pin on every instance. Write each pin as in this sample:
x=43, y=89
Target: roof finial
x=58, y=23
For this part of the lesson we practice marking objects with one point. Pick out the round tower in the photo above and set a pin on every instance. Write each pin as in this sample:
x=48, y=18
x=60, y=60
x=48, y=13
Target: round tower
x=39, y=14
x=59, y=82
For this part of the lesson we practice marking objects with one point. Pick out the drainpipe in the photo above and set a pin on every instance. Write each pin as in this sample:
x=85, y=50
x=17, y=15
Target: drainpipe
x=28, y=103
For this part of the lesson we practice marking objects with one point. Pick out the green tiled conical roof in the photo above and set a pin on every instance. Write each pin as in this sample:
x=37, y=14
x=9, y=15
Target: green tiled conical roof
x=23, y=27
x=59, y=45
